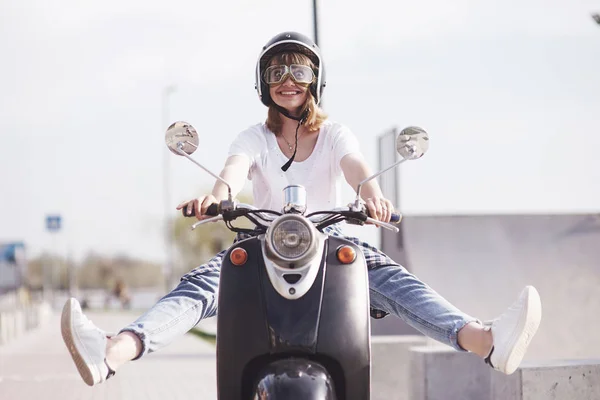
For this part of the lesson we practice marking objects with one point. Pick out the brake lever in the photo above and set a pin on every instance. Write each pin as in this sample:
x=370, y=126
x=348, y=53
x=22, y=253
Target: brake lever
x=205, y=221
x=385, y=225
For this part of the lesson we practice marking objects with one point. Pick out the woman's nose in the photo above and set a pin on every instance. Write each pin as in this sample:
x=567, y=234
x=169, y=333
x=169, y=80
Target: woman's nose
x=288, y=81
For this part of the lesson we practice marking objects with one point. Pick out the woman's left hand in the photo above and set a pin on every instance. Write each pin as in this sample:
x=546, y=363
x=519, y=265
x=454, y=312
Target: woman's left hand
x=379, y=208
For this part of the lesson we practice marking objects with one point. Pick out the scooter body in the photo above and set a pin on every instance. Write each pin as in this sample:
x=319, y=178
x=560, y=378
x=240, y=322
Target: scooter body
x=267, y=343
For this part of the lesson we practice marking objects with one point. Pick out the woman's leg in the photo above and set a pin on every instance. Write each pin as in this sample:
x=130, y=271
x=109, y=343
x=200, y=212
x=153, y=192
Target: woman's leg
x=503, y=343
x=97, y=356
x=393, y=290
x=194, y=299
x=396, y=291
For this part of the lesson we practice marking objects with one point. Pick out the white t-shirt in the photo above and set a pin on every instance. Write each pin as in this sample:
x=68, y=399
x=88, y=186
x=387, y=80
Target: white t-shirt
x=320, y=173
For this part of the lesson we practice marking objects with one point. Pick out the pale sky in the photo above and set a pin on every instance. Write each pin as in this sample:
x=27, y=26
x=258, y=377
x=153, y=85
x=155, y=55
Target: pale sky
x=509, y=92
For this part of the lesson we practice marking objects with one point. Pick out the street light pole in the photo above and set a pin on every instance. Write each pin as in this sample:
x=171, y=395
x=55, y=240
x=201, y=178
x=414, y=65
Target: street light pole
x=316, y=21
x=167, y=224
x=316, y=31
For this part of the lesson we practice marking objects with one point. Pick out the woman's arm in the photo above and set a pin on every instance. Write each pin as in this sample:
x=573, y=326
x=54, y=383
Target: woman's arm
x=234, y=172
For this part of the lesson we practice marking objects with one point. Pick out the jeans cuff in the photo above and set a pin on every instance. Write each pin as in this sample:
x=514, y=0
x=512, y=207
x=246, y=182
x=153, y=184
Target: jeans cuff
x=142, y=338
x=453, y=339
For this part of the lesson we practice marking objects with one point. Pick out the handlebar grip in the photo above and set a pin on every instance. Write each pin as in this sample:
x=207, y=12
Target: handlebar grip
x=212, y=210
x=396, y=218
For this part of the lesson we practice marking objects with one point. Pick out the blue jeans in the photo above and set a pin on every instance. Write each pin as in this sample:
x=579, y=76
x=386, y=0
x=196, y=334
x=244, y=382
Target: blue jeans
x=392, y=289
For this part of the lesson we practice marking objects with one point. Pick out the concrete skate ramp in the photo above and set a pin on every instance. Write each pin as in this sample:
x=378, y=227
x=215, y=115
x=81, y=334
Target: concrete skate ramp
x=481, y=263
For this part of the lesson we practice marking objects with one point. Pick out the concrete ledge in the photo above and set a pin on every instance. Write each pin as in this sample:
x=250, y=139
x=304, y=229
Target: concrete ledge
x=391, y=364
x=440, y=372
x=561, y=379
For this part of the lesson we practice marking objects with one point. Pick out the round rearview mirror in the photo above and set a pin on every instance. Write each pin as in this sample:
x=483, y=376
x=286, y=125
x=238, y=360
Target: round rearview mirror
x=412, y=142
x=181, y=136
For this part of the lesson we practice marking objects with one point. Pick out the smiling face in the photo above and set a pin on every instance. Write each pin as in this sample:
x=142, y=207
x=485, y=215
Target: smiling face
x=289, y=94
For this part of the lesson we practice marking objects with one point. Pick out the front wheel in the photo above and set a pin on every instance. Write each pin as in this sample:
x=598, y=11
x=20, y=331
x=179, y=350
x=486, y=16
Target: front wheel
x=294, y=379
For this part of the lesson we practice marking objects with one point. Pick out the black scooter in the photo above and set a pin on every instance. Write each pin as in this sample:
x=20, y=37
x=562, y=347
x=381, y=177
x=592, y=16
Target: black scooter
x=293, y=320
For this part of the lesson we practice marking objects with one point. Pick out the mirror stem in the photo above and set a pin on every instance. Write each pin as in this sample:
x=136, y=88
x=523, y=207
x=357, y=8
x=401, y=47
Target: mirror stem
x=357, y=200
x=183, y=153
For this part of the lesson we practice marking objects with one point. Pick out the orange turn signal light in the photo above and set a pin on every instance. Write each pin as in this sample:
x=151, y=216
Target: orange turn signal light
x=346, y=254
x=238, y=256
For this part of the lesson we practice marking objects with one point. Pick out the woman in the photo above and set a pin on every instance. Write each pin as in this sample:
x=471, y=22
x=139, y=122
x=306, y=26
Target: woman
x=298, y=145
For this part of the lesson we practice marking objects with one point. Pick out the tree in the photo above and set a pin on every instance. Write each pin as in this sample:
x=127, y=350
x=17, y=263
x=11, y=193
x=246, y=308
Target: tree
x=95, y=271
x=98, y=271
x=47, y=267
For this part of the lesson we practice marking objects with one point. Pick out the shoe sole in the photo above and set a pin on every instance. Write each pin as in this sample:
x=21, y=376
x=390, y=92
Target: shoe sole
x=65, y=328
x=529, y=323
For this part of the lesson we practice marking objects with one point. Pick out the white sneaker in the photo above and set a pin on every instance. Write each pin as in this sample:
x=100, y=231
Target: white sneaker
x=86, y=343
x=513, y=330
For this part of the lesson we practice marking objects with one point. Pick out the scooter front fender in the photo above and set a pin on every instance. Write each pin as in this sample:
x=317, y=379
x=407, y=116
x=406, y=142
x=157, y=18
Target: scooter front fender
x=294, y=379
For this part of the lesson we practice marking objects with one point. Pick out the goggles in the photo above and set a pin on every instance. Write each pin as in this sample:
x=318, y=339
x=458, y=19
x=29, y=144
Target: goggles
x=276, y=74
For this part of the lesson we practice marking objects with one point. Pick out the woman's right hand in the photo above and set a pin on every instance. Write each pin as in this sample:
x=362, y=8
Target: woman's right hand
x=197, y=207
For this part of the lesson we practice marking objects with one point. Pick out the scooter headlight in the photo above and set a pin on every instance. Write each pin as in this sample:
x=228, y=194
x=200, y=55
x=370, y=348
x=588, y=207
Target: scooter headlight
x=290, y=237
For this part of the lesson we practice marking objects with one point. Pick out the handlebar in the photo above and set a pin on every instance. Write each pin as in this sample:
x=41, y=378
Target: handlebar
x=396, y=218
x=215, y=210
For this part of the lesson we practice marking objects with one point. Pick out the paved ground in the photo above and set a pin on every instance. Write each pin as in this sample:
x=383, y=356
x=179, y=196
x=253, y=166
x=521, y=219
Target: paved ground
x=38, y=366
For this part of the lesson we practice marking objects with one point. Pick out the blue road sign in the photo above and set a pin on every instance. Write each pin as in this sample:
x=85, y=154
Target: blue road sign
x=53, y=223
x=12, y=252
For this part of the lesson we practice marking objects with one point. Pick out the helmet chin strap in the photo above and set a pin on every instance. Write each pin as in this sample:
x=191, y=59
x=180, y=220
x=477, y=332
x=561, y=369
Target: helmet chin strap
x=301, y=119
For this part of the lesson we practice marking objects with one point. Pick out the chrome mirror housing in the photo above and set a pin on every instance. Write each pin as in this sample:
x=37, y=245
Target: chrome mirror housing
x=412, y=143
x=181, y=136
